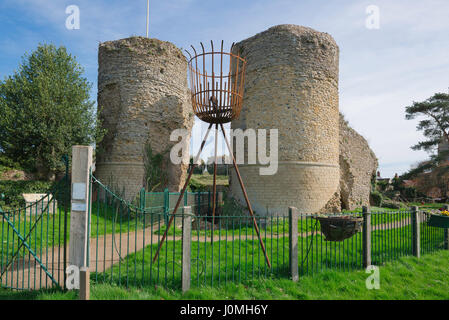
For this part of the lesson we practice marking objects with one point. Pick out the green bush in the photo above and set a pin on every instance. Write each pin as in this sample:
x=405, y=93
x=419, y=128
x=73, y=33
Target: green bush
x=376, y=198
x=409, y=193
x=195, y=186
x=13, y=191
x=222, y=169
x=382, y=185
x=199, y=169
x=393, y=204
x=7, y=162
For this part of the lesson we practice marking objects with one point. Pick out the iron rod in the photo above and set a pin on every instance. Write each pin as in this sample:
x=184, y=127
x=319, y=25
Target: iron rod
x=182, y=192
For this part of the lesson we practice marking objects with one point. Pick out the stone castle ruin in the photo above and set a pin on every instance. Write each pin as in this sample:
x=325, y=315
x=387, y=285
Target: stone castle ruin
x=142, y=97
x=291, y=84
x=358, y=165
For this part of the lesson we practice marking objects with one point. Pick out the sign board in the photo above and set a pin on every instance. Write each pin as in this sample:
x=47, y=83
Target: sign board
x=78, y=206
x=79, y=191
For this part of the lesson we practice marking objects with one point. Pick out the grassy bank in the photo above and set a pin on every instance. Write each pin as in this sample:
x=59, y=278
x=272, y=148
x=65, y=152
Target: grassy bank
x=203, y=181
x=406, y=278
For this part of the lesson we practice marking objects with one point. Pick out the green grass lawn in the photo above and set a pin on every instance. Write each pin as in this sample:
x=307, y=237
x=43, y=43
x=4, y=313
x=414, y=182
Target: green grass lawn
x=207, y=179
x=406, y=278
x=237, y=256
x=239, y=260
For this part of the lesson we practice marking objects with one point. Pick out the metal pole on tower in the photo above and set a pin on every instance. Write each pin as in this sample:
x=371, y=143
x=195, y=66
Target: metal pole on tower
x=148, y=16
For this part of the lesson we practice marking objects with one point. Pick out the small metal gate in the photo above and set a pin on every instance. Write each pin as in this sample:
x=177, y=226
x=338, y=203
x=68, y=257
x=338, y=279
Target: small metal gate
x=34, y=241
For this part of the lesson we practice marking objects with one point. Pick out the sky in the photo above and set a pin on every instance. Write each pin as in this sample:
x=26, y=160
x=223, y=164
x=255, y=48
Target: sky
x=382, y=70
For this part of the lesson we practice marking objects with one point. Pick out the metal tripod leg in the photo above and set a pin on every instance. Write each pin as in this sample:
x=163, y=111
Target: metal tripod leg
x=195, y=161
x=214, y=188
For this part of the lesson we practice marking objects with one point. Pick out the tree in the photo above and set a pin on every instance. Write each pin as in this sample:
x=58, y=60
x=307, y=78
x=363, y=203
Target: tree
x=45, y=109
x=434, y=126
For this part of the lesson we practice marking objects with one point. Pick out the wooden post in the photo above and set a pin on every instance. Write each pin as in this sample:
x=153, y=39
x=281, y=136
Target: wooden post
x=84, y=283
x=293, y=242
x=416, y=239
x=79, y=217
x=366, y=237
x=446, y=231
x=186, y=247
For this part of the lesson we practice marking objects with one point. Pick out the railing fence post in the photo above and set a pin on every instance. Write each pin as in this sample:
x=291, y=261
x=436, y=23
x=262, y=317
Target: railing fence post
x=166, y=205
x=446, y=232
x=199, y=203
x=366, y=237
x=293, y=242
x=208, y=203
x=186, y=247
x=142, y=198
x=416, y=240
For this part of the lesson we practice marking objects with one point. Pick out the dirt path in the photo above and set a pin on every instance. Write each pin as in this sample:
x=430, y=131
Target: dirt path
x=107, y=250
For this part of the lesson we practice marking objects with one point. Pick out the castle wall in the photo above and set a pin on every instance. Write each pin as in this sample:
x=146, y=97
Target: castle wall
x=291, y=84
x=142, y=97
x=358, y=164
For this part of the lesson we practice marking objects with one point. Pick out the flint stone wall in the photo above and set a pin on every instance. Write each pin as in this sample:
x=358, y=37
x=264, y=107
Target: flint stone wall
x=358, y=164
x=142, y=96
x=291, y=84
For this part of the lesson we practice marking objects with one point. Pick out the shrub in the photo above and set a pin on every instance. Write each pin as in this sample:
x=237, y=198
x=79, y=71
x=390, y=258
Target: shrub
x=156, y=178
x=8, y=163
x=382, y=185
x=393, y=204
x=376, y=198
x=195, y=186
x=13, y=191
x=198, y=169
x=222, y=169
x=410, y=193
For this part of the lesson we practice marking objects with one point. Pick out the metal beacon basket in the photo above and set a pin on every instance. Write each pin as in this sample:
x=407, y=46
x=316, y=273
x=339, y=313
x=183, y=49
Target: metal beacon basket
x=216, y=82
x=216, y=96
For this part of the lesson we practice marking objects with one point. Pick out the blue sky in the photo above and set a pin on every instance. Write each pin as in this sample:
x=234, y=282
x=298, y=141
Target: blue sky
x=381, y=70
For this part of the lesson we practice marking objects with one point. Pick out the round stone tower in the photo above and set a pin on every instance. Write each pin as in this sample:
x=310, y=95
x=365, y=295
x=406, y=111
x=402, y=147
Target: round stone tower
x=142, y=97
x=291, y=84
